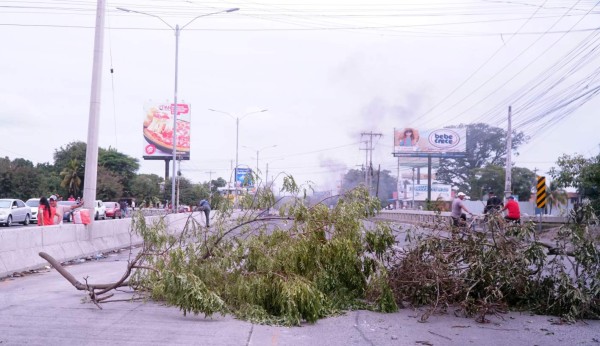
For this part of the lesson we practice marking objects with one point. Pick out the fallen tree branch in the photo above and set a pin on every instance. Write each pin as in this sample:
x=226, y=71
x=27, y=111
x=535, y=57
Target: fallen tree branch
x=78, y=285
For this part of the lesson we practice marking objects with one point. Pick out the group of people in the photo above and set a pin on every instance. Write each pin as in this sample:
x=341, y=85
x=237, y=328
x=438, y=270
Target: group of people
x=50, y=213
x=494, y=204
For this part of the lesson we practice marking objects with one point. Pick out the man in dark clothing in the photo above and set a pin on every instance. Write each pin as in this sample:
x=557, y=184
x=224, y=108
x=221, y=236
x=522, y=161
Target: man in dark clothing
x=494, y=203
x=123, y=206
x=204, y=206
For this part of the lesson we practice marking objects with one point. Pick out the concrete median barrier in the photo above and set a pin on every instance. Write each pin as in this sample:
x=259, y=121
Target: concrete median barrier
x=19, y=247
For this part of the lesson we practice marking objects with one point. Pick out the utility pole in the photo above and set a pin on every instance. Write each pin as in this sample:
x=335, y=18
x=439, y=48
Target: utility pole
x=366, y=149
x=91, y=154
x=508, y=179
x=378, y=177
x=369, y=150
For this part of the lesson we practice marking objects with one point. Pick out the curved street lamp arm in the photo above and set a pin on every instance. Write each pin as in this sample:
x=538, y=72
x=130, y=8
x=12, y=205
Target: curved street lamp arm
x=147, y=14
x=214, y=110
x=208, y=14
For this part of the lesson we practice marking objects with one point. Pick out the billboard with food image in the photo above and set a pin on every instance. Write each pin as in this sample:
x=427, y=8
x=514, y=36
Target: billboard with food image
x=410, y=141
x=158, y=130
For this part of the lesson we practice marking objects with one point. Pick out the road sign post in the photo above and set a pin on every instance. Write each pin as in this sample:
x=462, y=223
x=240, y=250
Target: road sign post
x=541, y=192
x=540, y=198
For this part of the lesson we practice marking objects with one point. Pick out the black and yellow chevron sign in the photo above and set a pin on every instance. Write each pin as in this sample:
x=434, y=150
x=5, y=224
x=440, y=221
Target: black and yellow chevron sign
x=541, y=192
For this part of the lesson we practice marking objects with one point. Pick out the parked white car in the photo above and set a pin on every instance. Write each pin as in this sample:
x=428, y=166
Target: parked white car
x=100, y=210
x=33, y=203
x=14, y=210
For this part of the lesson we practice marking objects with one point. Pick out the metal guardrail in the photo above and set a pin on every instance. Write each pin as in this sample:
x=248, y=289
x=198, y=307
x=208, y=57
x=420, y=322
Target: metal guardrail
x=424, y=216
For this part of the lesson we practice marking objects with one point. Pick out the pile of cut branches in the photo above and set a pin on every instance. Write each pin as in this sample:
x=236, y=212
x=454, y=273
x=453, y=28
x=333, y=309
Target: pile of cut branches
x=477, y=274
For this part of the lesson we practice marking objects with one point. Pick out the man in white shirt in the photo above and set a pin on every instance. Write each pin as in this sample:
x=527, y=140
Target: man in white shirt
x=458, y=217
x=62, y=209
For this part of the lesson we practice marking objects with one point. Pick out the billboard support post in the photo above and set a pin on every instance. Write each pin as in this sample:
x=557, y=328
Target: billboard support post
x=429, y=178
x=413, y=188
x=167, y=169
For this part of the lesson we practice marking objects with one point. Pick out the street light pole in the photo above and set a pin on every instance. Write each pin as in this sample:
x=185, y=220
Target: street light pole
x=177, y=30
x=237, y=150
x=258, y=153
x=237, y=142
x=174, y=159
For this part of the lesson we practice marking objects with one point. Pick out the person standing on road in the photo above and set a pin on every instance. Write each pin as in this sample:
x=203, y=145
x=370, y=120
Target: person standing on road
x=61, y=210
x=123, y=206
x=204, y=206
x=45, y=213
x=514, y=211
x=458, y=217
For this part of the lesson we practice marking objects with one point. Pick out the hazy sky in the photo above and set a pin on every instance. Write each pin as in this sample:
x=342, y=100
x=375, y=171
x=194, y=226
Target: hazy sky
x=325, y=70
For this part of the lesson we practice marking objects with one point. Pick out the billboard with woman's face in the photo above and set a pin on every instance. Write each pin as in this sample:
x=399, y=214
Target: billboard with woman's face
x=410, y=141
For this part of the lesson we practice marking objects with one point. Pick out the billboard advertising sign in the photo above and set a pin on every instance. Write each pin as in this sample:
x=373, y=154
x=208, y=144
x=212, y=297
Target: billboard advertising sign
x=410, y=141
x=158, y=130
x=243, y=177
x=438, y=192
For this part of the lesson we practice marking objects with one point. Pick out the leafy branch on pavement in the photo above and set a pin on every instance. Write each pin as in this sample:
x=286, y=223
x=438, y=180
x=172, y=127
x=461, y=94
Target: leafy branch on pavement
x=312, y=261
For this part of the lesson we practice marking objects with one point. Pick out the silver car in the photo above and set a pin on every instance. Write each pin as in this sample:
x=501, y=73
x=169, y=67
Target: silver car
x=14, y=210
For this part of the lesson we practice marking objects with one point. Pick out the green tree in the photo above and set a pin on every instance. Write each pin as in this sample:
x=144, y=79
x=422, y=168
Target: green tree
x=486, y=145
x=556, y=196
x=523, y=181
x=25, y=179
x=6, y=181
x=215, y=184
x=356, y=177
x=491, y=178
x=352, y=179
x=569, y=171
x=17, y=178
x=72, y=151
x=71, y=179
x=109, y=187
x=121, y=165
x=146, y=189
x=49, y=180
x=581, y=173
x=216, y=199
x=190, y=193
x=486, y=179
x=385, y=186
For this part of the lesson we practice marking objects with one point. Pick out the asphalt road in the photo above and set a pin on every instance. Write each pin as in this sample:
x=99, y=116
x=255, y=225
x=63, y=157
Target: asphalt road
x=44, y=309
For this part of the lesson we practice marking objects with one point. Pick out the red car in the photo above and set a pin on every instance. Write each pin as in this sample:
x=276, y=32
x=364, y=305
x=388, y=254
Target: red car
x=113, y=210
